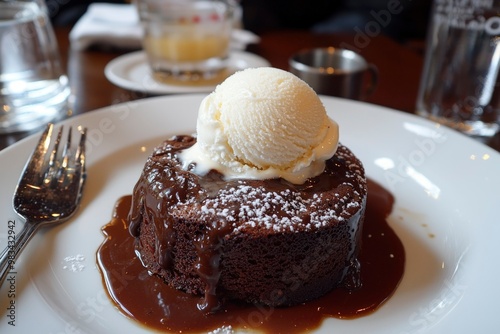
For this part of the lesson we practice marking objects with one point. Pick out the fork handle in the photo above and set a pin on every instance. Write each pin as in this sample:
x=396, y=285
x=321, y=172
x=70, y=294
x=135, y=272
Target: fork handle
x=10, y=254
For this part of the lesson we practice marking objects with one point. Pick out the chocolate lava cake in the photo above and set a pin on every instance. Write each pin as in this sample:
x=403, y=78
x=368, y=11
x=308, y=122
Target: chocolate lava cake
x=259, y=241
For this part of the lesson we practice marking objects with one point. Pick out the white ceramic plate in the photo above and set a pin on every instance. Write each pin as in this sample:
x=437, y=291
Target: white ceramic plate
x=131, y=71
x=447, y=195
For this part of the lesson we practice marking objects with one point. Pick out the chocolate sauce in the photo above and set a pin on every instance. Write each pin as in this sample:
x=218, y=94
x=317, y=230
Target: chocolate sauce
x=151, y=302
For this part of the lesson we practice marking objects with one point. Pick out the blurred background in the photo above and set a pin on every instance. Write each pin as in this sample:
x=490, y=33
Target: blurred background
x=261, y=16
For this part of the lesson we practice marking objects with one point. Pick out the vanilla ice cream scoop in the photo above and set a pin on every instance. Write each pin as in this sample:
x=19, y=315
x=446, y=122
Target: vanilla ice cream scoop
x=263, y=123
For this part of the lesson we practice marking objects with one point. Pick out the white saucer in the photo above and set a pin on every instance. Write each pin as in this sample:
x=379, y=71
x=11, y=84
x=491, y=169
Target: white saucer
x=131, y=71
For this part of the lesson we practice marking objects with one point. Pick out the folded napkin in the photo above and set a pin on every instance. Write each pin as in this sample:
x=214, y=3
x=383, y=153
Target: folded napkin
x=117, y=25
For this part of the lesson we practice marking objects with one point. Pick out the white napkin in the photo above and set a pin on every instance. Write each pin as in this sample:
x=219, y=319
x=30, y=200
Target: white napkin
x=117, y=25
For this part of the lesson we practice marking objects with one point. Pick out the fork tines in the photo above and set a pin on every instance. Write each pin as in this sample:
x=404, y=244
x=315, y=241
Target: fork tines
x=61, y=164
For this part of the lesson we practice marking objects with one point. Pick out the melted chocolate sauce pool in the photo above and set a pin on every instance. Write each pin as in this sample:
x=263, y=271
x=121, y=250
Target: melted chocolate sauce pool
x=149, y=301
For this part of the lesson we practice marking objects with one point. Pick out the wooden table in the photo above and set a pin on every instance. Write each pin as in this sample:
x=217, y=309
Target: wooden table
x=399, y=70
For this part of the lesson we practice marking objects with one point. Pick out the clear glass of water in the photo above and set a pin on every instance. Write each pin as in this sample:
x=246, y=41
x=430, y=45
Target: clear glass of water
x=33, y=87
x=460, y=85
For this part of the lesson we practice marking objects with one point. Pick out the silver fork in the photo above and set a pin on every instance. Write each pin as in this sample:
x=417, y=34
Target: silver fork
x=48, y=192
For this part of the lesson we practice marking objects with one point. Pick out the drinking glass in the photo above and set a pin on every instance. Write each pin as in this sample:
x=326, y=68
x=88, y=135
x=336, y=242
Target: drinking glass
x=33, y=87
x=186, y=40
x=460, y=84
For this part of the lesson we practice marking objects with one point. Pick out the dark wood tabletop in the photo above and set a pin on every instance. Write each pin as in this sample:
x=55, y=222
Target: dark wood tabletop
x=399, y=68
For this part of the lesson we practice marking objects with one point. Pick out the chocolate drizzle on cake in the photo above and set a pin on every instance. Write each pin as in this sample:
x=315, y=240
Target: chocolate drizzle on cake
x=209, y=248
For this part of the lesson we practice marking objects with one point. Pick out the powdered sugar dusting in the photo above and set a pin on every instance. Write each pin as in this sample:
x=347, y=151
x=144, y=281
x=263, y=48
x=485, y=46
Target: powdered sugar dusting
x=287, y=210
x=247, y=205
x=223, y=330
